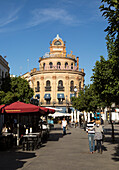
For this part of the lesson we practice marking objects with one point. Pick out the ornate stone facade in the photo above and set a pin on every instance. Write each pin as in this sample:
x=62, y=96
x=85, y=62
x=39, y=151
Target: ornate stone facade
x=57, y=76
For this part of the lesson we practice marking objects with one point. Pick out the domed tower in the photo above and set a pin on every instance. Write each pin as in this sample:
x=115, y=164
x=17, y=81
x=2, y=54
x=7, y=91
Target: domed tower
x=58, y=77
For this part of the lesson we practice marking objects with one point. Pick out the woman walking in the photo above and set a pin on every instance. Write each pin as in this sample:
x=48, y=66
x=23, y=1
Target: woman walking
x=98, y=135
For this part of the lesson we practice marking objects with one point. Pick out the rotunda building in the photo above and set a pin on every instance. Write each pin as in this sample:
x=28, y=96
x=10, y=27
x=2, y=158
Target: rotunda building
x=58, y=77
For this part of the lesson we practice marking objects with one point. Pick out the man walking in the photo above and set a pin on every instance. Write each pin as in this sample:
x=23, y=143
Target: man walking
x=91, y=133
x=64, y=125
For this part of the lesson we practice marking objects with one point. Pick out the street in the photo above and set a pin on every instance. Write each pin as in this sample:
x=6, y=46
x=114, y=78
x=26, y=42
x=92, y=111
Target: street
x=70, y=152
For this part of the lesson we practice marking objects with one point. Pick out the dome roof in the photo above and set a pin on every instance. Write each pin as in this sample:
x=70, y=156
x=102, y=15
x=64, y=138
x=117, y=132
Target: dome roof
x=57, y=37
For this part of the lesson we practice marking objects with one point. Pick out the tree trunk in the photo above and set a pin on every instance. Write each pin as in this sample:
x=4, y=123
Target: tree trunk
x=113, y=138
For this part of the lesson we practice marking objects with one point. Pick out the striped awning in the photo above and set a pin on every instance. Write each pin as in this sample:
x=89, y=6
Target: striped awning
x=60, y=96
x=72, y=95
x=47, y=96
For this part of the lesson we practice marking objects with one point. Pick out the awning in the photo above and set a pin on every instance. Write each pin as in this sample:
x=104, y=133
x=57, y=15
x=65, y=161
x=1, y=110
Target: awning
x=47, y=96
x=72, y=95
x=60, y=96
x=38, y=96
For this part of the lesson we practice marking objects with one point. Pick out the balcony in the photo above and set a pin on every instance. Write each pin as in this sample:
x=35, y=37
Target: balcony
x=48, y=88
x=72, y=89
x=60, y=88
x=37, y=89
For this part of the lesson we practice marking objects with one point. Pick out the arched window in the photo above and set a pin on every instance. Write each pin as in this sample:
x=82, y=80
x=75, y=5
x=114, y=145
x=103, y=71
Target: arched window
x=37, y=89
x=79, y=85
x=66, y=64
x=43, y=65
x=72, y=83
x=51, y=64
x=47, y=83
x=72, y=86
x=58, y=65
x=60, y=83
x=57, y=42
x=71, y=65
x=48, y=87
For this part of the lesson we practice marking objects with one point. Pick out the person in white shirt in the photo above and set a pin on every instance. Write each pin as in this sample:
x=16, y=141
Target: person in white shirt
x=64, y=125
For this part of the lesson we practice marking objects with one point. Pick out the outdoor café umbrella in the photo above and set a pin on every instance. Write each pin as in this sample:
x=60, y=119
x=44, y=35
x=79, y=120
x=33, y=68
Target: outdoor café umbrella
x=20, y=108
x=23, y=108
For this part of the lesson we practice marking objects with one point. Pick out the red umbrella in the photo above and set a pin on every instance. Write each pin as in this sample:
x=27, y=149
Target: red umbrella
x=20, y=107
x=1, y=106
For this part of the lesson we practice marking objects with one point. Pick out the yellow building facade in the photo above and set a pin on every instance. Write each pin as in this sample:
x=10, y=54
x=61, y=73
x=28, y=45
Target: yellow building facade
x=58, y=77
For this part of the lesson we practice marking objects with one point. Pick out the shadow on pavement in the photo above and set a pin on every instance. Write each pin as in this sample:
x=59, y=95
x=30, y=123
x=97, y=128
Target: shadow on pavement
x=12, y=160
x=108, y=139
x=116, y=154
x=56, y=136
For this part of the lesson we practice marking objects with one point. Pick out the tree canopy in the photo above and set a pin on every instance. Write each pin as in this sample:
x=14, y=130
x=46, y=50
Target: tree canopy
x=14, y=89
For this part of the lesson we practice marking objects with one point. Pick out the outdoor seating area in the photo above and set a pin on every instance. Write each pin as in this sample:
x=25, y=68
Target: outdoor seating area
x=24, y=125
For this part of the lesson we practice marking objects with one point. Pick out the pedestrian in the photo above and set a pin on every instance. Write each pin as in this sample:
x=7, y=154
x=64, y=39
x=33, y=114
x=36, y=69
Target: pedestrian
x=98, y=136
x=64, y=125
x=91, y=132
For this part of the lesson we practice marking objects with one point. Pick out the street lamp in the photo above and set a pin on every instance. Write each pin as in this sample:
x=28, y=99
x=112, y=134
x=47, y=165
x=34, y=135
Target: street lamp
x=66, y=103
x=75, y=90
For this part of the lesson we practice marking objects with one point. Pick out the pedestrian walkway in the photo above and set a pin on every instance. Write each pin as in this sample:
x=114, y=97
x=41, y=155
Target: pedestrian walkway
x=69, y=152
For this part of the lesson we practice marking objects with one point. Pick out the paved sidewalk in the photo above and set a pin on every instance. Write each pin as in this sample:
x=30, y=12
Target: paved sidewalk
x=70, y=152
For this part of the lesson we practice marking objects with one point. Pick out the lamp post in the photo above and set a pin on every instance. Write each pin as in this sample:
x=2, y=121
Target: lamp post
x=66, y=103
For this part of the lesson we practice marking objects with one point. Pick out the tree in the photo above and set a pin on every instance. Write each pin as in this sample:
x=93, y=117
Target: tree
x=88, y=100
x=15, y=89
x=105, y=84
x=110, y=9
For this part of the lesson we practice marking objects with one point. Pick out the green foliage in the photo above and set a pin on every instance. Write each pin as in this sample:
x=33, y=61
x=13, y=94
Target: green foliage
x=110, y=9
x=15, y=89
x=88, y=100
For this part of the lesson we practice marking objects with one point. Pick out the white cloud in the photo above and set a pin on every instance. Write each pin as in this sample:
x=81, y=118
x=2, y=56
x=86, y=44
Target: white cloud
x=50, y=14
x=9, y=17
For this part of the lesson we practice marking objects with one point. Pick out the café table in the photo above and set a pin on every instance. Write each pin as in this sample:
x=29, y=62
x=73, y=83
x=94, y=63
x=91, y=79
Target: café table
x=31, y=141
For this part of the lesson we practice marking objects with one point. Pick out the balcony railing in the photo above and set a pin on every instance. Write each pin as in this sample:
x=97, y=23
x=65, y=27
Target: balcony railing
x=58, y=103
x=37, y=89
x=60, y=88
x=72, y=89
x=48, y=88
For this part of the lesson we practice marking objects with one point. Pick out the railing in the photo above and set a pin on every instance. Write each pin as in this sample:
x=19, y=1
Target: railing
x=48, y=88
x=72, y=89
x=48, y=68
x=58, y=103
x=37, y=89
x=60, y=88
x=62, y=67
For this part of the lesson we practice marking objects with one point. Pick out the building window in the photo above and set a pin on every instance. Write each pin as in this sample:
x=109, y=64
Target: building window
x=6, y=74
x=66, y=64
x=2, y=74
x=79, y=86
x=43, y=65
x=37, y=89
x=48, y=87
x=48, y=101
x=71, y=65
x=51, y=64
x=58, y=65
x=60, y=101
x=60, y=85
x=72, y=86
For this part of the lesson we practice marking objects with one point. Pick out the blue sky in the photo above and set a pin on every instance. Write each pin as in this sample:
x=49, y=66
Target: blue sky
x=27, y=27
